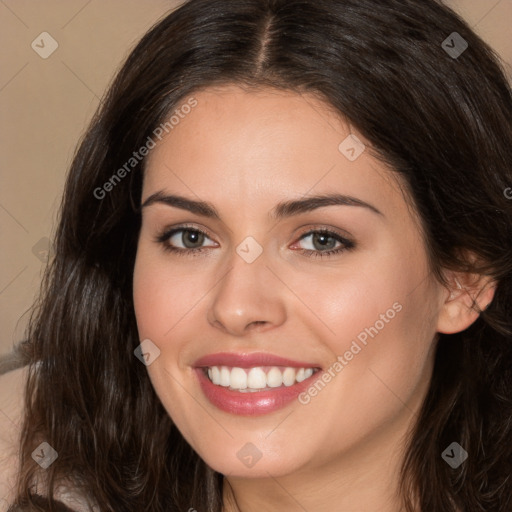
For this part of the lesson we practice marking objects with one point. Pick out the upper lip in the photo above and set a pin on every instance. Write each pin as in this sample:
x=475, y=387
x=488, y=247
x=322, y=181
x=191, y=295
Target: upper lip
x=245, y=360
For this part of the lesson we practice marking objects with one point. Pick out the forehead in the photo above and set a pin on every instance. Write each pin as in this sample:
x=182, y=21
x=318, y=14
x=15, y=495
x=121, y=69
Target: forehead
x=266, y=125
x=265, y=144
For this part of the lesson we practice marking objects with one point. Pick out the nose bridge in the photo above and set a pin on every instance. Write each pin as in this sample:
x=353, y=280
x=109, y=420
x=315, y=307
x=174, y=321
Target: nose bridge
x=245, y=294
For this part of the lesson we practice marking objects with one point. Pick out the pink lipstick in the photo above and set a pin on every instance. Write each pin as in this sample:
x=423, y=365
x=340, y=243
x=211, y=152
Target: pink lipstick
x=253, y=384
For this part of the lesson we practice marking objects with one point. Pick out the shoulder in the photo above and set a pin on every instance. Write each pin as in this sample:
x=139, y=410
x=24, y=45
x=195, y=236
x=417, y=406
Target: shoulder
x=40, y=501
x=12, y=388
x=12, y=405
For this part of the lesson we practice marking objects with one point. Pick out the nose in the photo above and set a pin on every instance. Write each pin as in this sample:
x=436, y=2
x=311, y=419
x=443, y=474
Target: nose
x=248, y=297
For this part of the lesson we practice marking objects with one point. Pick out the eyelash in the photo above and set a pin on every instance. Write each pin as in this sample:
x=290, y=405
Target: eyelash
x=166, y=235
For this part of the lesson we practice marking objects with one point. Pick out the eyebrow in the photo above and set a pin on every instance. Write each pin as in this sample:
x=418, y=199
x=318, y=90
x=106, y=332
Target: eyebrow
x=280, y=211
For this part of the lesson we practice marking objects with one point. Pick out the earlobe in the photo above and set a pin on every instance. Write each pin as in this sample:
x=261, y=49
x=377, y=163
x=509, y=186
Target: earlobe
x=464, y=302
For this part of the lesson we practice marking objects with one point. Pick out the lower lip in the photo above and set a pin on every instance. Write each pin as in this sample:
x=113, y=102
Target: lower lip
x=251, y=404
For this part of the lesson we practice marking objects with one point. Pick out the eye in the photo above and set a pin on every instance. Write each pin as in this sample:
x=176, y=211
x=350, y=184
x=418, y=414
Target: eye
x=324, y=243
x=183, y=240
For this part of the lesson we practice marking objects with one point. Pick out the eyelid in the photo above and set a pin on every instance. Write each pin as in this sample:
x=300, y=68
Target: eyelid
x=167, y=232
x=345, y=236
x=307, y=231
x=341, y=236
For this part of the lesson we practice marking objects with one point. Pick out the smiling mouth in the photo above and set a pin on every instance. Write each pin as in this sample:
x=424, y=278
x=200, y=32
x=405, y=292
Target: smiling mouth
x=258, y=378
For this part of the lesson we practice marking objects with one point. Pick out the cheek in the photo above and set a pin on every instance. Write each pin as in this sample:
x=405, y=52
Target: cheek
x=383, y=331
x=163, y=296
x=147, y=294
x=337, y=305
x=372, y=312
x=378, y=324
x=359, y=300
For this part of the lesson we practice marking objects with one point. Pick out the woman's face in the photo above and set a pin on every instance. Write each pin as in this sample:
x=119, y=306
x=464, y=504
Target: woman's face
x=267, y=284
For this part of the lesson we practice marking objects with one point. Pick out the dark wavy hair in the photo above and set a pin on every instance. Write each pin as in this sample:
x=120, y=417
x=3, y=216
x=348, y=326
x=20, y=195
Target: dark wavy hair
x=442, y=122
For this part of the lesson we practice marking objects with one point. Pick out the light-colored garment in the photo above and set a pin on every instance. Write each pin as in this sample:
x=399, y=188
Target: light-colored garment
x=75, y=501
x=12, y=386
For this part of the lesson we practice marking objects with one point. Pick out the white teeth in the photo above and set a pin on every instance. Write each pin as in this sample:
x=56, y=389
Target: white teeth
x=274, y=377
x=289, y=377
x=225, y=377
x=238, y=378
x=300, y=375
x=256, y=379
x=215, y=375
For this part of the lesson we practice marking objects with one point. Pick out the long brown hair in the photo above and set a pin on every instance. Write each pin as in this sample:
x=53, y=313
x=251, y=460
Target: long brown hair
x=440, y=120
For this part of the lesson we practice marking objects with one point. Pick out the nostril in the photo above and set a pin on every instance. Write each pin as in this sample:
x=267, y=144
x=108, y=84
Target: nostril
x=257, y=322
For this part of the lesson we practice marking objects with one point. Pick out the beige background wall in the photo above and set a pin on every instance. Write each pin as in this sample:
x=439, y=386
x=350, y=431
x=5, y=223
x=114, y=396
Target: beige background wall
x=45, y=105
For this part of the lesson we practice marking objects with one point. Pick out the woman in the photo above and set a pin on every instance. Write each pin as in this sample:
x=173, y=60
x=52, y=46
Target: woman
x=283, y=271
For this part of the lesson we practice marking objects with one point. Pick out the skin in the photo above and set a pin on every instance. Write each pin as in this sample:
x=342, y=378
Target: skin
x=244, y=152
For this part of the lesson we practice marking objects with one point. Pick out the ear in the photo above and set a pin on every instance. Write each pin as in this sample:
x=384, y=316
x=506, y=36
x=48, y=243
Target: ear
x=466, y=297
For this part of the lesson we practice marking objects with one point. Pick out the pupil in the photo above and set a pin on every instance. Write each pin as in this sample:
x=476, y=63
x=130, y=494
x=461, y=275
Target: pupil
x=323, y=239
x=194, y=237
